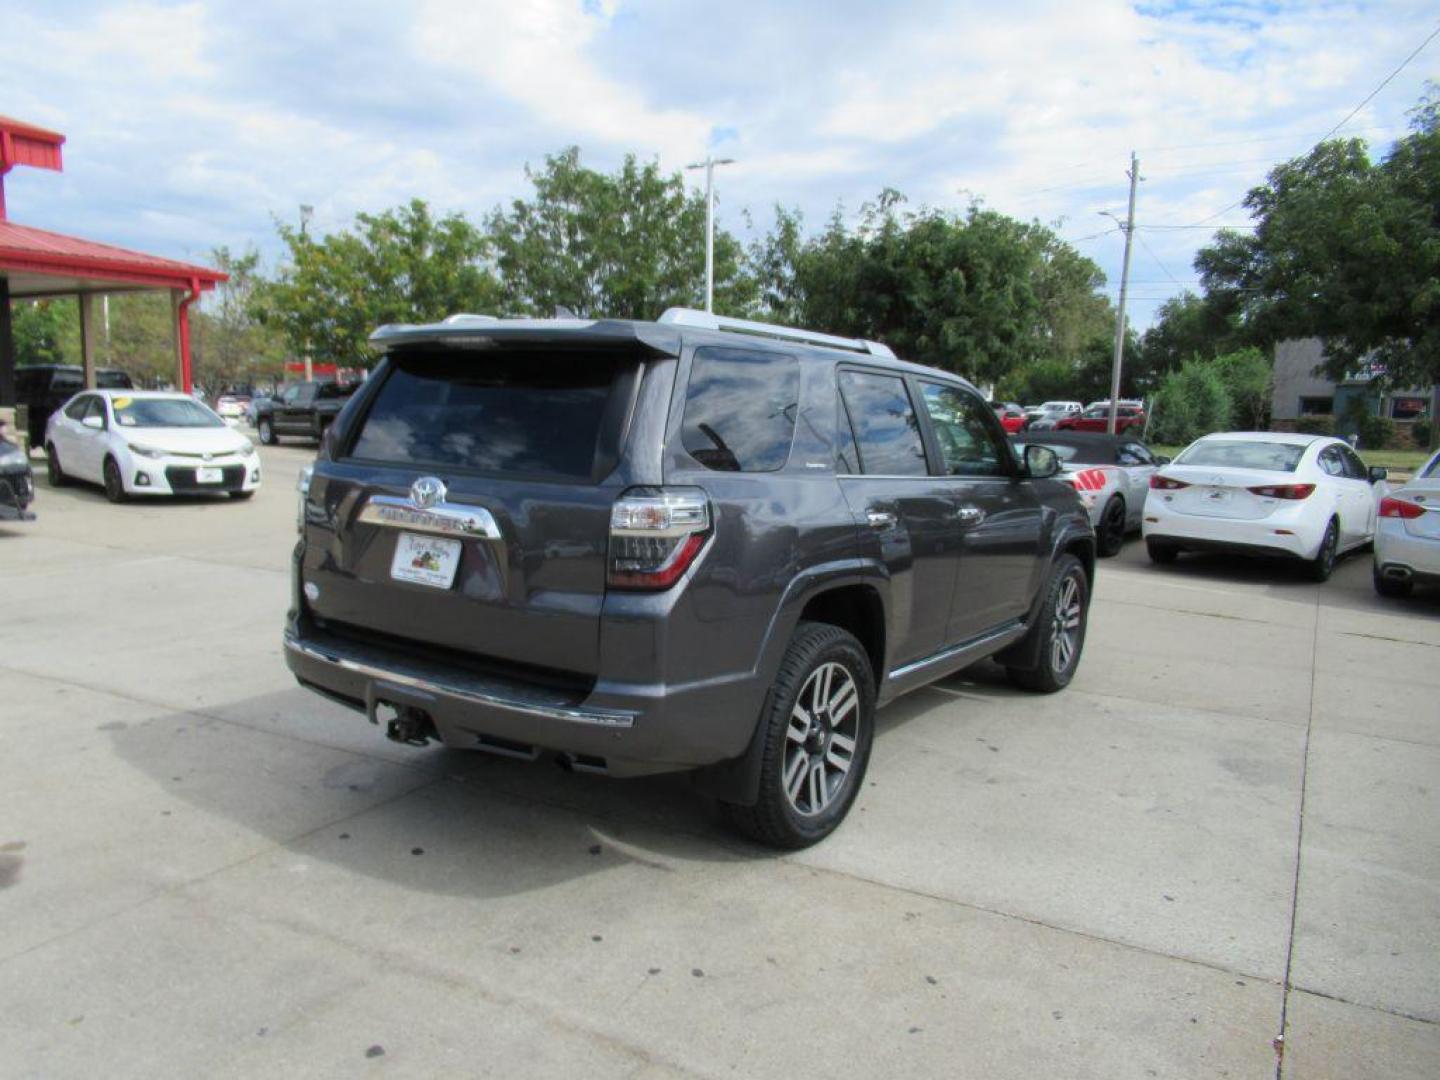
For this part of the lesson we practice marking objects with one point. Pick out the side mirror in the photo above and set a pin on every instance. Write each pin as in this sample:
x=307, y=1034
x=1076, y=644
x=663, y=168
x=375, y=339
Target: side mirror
x=1041, y=462
x=1378, y=473
x=94, y=422
x=1161, y=459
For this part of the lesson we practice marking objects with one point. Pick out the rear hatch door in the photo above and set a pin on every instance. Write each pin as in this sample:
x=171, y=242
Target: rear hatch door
x=467, y=506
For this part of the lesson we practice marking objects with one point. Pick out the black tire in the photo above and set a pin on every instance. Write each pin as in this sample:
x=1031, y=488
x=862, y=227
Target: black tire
x=1160, y=553
x=778, y=819
x=1390, y=587
x=1323, y=565
x=1110, y=537
x=53, y=471
x=114, y=483
x=1064, y=609
x=241, y=494
x=266, y=430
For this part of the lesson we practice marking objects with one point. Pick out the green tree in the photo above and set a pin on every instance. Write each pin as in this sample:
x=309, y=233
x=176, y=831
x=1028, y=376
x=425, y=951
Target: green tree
x=232, y=346
x=1186, y=327
x=1345, y=249
x=1246, y=375
x=980, y=293
x=39, y=330
x=626, y=244
x=142, y=340
x=401, y=265
x=1191, y=402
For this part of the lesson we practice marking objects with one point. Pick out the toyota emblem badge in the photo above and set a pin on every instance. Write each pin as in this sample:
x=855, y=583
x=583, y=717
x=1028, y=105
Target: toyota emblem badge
x=426, y=492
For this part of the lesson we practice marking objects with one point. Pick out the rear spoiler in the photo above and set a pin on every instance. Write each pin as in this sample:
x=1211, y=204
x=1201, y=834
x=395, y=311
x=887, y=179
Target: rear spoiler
x=487, y=332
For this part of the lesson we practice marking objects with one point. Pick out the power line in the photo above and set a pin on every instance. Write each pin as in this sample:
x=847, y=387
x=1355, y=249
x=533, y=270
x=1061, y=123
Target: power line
x=1156, y=260
x=1368, y=98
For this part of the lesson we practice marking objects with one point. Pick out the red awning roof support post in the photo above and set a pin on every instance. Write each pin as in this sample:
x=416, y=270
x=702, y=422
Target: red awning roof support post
x=182, y=319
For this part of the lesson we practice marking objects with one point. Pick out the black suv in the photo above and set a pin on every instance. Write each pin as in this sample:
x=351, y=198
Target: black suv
x=693, y=544
x=43, y=388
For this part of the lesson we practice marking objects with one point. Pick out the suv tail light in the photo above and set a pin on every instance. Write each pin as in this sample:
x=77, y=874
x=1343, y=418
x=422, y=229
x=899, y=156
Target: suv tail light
x=655, y=536
x=1400, y=508
x=1283, y=491
x=1166, y=483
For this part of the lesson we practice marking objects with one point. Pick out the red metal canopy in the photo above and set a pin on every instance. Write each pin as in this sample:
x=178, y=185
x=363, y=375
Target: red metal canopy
x=37, y=262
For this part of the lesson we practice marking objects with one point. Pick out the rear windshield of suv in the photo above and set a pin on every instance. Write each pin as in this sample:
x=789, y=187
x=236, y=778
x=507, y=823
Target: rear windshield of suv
x=525, y=413
x=1235, y=454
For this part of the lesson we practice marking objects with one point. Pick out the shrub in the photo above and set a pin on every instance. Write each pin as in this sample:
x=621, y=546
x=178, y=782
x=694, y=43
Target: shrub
x=1191, y=402
x=1316, y=424
x=1420, y=432
x=1372, y=432
x=1246, y=375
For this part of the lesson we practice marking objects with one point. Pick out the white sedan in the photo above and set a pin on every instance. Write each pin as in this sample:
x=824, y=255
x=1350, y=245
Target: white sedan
x=138, y=442
x=1407, y=540
x=1306, y=497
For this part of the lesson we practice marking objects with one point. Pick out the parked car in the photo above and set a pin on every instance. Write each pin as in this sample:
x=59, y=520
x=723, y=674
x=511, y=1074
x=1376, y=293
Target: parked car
x=232, y=407
x=148, y=442
x=696, y=544
x=1011, y=415
x=1129, y=417
x=303, y=408
x=17, y=483
x=1046, y=416
x=1407, y=534
x=1110, y=474
x=43, y=388
x=1302, y=497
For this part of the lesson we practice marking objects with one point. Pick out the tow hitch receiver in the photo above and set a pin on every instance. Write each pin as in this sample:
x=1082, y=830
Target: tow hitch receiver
x=406, y=724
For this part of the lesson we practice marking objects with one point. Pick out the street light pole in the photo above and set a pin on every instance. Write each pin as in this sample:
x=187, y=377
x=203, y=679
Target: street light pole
x=709, y=166
x=1129, y=230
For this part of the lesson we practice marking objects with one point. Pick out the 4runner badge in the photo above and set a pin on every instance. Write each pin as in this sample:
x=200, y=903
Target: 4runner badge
x=426, y=492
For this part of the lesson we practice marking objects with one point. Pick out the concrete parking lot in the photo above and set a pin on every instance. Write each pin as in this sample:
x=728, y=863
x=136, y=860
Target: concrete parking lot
x=1226, y=829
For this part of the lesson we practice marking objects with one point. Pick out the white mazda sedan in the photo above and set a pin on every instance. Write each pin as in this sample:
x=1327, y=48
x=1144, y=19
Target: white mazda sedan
x=1306, y=497
x=138, y=442
x=1407, y=541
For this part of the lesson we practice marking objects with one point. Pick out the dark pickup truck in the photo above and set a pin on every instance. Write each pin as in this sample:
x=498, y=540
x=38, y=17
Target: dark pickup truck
x=303, y=409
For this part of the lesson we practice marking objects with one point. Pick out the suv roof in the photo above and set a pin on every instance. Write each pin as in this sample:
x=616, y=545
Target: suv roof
x=664, y=336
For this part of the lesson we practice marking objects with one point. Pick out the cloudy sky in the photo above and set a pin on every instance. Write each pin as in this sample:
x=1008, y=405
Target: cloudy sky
x=194, y=124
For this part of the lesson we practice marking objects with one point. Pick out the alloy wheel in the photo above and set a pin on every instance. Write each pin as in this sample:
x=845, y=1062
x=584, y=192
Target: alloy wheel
x=820, y=742
x=1064, y=642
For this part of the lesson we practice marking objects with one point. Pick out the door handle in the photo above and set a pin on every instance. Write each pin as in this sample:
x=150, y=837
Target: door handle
x=970, y=515
x=880, y=519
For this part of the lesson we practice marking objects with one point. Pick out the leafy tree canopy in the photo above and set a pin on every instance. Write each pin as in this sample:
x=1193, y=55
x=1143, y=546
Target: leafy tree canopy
x=626, y=244
x=401, y=265
x=1347, y=250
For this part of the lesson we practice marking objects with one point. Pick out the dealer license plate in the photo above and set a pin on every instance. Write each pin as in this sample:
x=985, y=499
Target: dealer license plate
x=209, y=475
x=426, y=560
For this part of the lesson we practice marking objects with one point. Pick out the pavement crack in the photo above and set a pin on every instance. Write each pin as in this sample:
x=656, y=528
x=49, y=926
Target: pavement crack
x=1299, y=853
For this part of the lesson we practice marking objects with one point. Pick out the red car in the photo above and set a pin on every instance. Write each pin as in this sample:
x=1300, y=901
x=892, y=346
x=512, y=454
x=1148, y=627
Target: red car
x=1011, y=416
x=1097, y=418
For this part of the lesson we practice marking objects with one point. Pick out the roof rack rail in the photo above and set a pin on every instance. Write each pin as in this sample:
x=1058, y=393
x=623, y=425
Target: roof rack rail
x=465, y=317
x=678, y=316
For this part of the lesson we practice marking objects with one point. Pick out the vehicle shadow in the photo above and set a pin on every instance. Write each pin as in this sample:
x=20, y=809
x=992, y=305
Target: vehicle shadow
x=446, y=821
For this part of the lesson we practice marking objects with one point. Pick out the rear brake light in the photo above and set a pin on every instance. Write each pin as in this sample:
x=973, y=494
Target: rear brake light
x=1400, y=508
x=1283, y=491
x=1166, y=483
x=655, y=536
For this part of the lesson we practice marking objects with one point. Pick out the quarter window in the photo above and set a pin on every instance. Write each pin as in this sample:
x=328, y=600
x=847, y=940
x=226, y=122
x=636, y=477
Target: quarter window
x=76, y=409
x=740, y=409
x=887, y=431
x=964, y=432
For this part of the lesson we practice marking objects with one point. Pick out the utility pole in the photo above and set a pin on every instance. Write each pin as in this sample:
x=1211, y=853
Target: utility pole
x=709, y=166
x=306, y=213
x=1129, y=230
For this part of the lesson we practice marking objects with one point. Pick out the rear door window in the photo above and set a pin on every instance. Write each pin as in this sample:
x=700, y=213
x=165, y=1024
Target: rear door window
x=740, y=409
x=540, y=414
x=886, y=429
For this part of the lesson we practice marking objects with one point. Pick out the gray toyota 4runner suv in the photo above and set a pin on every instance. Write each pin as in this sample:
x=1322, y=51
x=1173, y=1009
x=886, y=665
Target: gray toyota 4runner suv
x=699, y=544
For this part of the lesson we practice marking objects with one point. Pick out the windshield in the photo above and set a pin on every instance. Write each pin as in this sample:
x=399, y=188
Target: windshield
x=1233, y=454
x=1062, y=451
x=163, y=413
